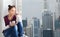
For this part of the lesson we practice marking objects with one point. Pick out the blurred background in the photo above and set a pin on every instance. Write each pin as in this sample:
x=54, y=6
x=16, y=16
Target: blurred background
x=40, y=18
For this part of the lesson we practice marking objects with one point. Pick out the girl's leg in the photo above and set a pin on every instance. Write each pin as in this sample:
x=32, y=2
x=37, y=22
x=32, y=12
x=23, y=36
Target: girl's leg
x=11, y=32
x=7, y=33
x=20, y=29
x=14, y=32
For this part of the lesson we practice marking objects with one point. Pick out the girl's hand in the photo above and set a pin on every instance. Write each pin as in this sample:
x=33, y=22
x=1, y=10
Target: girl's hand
x=17, y=13
x=12, y=23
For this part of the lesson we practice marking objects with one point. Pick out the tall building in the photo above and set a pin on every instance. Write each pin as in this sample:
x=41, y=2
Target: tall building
x=57, y=33
x=57, y=27
x=28, y=31
x=47, y=33
x=24, y=23
x=27, y=27
x=47, y=20
x=45, y=4
x=58, y=7
x=57, y=20
x=35, y=27
x=57, y=23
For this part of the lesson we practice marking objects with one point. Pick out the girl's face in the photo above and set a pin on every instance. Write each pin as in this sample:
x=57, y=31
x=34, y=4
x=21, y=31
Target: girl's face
x=12, y=11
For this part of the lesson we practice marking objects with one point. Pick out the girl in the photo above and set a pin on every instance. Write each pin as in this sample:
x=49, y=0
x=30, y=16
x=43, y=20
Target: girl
x=11, y=23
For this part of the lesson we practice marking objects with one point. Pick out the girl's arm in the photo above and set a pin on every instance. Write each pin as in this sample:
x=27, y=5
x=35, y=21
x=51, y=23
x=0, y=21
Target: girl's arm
x=4, y=27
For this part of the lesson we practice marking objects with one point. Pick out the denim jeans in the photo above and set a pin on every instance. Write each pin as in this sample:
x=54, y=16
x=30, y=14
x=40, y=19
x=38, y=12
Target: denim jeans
x=12, y=32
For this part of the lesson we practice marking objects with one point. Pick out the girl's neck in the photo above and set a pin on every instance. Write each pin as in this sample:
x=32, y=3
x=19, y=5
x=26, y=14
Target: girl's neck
x=10, y=17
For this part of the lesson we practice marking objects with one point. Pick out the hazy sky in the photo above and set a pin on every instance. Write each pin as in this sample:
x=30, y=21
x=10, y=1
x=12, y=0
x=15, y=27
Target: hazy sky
x=34, y=8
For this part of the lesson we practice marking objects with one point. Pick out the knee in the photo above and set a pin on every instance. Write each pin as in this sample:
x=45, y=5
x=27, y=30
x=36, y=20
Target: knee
x=14, y=27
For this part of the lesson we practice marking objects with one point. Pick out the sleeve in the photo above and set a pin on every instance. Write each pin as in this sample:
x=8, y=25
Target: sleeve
x=5, y=21
x=3, y=26
x=15, y=19
x=19, y=20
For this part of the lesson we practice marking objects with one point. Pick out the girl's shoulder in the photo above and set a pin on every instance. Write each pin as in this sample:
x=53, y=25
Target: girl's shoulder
x=5, y=16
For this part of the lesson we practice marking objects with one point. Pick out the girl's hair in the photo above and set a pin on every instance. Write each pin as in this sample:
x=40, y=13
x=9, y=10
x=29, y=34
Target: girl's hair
x=10, y=7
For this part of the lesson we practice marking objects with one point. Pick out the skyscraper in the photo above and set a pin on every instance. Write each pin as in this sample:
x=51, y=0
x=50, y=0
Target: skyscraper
x=57, y=33
x=47, y=33
x=24, y=23
x=47, y=20
x=57, y=21
x=36, y=27
x=58, y=7
x=29, y=31
x=45, y=4
x=28, y=27
x=57, y=24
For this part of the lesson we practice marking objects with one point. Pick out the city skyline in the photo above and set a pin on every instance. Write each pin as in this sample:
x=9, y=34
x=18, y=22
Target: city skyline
x=35, y=8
